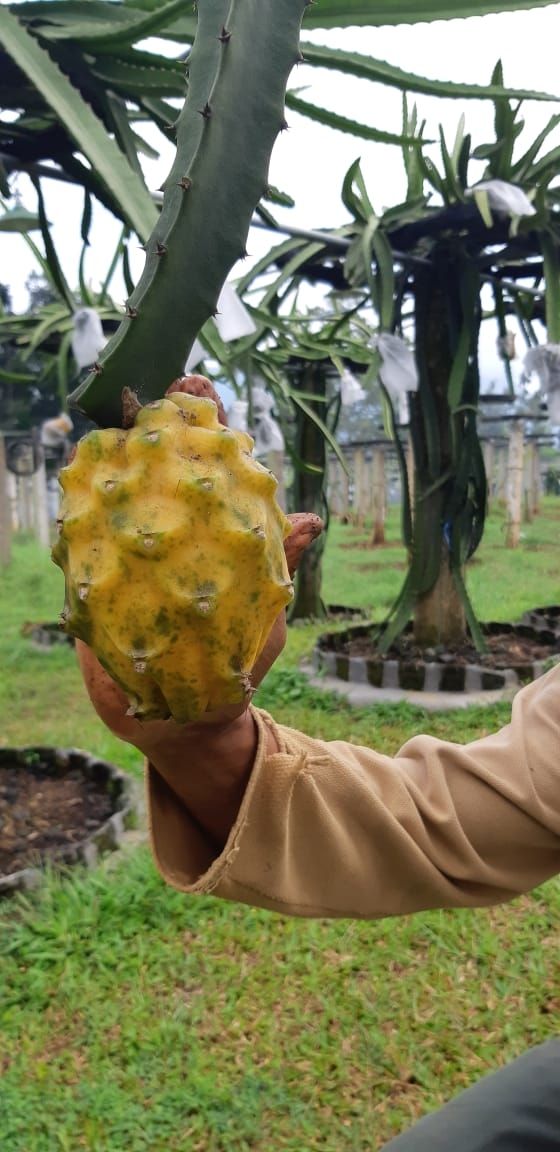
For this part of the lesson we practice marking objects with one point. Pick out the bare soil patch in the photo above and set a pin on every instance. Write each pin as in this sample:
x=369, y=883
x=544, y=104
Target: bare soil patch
x=505, y=650
x=42, y=813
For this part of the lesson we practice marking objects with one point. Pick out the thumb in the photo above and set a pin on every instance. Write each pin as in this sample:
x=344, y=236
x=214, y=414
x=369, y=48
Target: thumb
x=195, y=385
x=306, y=527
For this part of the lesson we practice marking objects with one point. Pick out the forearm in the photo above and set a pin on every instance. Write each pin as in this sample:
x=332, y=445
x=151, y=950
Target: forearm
x=333, y=830
x=207, y=768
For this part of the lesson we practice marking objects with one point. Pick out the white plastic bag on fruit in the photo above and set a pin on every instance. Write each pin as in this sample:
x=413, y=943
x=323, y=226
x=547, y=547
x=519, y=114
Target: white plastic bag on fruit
x=232, y=318
x=268, y=434
x=504, y=198
x=232, y=321
x=351, y=391
x=544, y=362
x=55, y=439
x=56, y=430
x=505, y=346
x=237, y=416
x=88, y=337
x=398, y=372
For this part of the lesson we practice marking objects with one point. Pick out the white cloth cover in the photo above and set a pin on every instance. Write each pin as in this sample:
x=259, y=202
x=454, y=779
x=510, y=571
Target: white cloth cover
x=268, y=434
x=237, y=416
x=351, y=391
x=505, y=199
x=88, y=337
x=232, y=321
x=398, y=372
x=544, y=361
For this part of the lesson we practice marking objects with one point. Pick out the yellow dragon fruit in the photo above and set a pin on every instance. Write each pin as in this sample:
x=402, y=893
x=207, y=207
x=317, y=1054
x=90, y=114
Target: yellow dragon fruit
x=171, y=542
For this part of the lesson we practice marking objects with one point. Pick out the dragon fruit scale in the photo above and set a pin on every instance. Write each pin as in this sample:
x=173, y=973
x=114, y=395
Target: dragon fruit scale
x=171, y=542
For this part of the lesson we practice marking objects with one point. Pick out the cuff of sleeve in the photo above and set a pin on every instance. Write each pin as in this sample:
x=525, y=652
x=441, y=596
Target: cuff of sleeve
x=184, y=854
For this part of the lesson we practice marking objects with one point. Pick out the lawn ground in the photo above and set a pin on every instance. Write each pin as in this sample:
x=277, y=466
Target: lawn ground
x=134, y=1018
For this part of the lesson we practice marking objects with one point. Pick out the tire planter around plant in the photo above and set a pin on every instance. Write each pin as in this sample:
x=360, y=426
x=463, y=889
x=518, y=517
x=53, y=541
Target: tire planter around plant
x=63, y=777
x=340, y=612
x=547, y=618
x=436, y=672
x=45, y=635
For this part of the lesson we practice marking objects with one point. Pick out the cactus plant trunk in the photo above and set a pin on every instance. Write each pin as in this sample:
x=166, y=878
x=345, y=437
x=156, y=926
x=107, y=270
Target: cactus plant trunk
x=439, y=616
x=439, y=610
x=309, y=488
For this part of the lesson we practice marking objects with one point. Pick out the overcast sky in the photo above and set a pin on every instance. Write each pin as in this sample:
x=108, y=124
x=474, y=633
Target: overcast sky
x=309, y=161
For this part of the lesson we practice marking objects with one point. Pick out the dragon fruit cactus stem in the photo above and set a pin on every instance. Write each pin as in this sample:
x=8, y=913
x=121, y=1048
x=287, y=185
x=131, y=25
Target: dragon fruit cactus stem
x=242, y=56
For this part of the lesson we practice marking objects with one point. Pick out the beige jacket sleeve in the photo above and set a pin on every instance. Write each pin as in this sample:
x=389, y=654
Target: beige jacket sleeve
x=331, y=829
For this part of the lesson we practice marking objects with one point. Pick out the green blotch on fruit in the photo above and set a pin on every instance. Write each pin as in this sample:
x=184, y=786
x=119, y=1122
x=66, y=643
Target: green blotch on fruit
x=95, y=445
x=163, y=622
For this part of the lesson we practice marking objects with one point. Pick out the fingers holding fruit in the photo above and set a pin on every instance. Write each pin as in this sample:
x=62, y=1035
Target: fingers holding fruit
x=306, y=527
x=194, y=385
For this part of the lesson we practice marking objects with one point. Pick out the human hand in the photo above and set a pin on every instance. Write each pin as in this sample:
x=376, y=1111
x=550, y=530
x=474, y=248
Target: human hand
x=109, y=700
x=207, y=763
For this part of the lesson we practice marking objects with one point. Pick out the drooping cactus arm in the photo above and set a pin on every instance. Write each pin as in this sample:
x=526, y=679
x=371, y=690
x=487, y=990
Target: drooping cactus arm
x=242, y=56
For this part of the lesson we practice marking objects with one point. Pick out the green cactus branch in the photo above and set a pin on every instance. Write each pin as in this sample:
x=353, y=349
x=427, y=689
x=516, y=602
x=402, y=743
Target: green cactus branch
x=243, y=53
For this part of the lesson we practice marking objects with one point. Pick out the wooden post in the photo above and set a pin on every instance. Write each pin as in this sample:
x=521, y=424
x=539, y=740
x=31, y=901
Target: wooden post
x=12, y=500
x=501, y=478
x=514, y=487
x=335, y=489
x=488, y=453
x=367, y=487
x=5, y=510
x=24, y=504
x=528, y=482
x=379, y=496
x=40, y=506
x=345, y=486
x=357, y=505
x=536, y=481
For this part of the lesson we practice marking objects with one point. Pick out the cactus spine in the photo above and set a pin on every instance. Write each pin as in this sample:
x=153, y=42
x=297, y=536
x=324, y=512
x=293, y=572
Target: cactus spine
x=241, y=59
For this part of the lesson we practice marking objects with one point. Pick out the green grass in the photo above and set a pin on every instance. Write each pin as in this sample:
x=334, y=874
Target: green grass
x=41, y=698
x=502, y=583
x=132, y=1017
